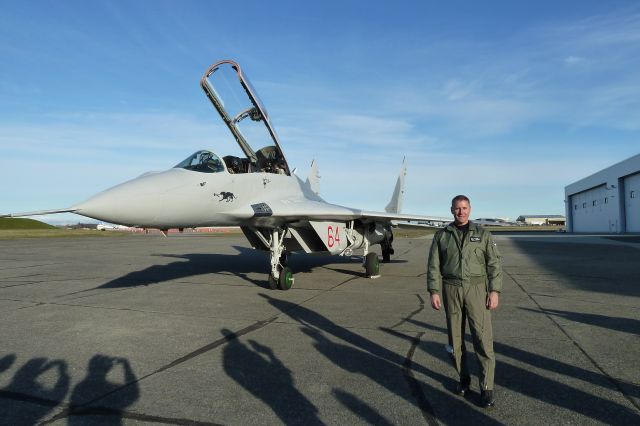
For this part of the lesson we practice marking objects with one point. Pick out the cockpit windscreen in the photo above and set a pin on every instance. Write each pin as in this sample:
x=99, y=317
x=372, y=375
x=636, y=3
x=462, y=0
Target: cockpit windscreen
x=202, y=161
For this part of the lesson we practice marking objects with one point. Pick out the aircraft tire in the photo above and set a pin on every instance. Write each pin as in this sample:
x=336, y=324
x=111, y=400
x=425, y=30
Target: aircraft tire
x=372, y=265
x=273, y=283
x=286, y=278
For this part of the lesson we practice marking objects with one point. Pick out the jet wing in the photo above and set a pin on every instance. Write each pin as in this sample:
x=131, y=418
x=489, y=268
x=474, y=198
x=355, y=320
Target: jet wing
x=279, y=212
x=403, y=217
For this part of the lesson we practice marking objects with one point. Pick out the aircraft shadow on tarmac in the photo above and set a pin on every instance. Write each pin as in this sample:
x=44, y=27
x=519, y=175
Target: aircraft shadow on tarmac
x=246, y=261
x=611, y=269
x=526, y=382
x=259, y=371
x=625, y=325
x=26, y=401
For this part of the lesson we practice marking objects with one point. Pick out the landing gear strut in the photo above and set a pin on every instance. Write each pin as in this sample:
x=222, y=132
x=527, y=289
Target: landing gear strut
x=387, y=249
x=281, y=276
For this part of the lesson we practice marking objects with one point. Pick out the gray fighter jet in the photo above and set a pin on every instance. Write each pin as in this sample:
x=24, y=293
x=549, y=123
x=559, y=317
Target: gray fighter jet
x=276, y=210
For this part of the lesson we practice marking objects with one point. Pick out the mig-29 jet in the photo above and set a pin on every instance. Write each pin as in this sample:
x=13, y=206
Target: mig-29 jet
x=275, y=209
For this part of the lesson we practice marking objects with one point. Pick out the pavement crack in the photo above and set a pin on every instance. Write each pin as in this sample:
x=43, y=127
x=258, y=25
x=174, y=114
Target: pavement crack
x=22, y=284
x=595, y=363
x=22, y=276
x=119, y=414
x=592, y=302
x=85, y=408
x=23, y=397
x=414, y=385
x=412, y=314
x=31, y=266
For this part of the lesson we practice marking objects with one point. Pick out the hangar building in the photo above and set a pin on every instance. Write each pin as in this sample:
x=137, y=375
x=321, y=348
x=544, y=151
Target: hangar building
x=607, y=201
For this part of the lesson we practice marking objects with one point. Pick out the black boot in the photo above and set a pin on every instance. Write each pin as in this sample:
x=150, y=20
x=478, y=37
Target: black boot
x=486, y=399
x=463, y=385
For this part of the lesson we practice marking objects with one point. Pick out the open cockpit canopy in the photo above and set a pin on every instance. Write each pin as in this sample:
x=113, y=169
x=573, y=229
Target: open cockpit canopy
x=202, y=161
x=231, y=93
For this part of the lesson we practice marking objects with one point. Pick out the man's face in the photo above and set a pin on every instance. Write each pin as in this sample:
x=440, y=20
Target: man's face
x=461, y=210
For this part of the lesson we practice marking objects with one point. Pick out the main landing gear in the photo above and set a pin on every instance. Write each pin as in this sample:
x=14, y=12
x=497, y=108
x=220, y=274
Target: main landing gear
x=281, y=275
x=387, y=249
x=371, y=262
x=372, y=265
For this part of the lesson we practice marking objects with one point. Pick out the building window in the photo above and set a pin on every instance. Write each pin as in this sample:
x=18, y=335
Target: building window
x=594, y=202
x=632, y=194
x=575, y=207
x=606, y=200
x=584, y=205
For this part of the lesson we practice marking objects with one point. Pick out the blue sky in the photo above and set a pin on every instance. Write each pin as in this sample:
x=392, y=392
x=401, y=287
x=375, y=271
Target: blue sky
x=504, y=101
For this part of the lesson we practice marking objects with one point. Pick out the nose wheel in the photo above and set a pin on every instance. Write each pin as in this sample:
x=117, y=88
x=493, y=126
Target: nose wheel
x=286, y=278
x=281, y=275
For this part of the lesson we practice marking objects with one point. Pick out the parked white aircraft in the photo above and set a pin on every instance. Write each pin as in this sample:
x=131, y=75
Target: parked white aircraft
x=111, y=227
x=276, y=210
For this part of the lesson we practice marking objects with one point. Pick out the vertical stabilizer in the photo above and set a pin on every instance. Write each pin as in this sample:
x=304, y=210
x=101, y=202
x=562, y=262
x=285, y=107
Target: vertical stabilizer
x=313, y=181
x=395, y=205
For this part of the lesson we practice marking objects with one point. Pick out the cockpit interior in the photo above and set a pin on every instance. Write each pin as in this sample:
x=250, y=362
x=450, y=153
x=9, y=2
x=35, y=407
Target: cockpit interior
x=268, y=161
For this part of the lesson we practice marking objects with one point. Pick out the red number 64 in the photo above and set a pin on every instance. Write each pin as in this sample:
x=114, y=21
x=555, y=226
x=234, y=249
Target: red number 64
x=333, y=237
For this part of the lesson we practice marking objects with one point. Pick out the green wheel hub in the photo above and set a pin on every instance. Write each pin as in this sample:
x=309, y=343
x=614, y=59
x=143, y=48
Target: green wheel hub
x=286, y=278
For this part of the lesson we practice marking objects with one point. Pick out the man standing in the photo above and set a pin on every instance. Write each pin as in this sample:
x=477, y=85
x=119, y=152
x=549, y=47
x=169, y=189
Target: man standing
x=464, y=265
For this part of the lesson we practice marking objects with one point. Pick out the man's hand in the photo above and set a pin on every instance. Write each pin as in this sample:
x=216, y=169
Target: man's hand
x=492, y=300
x=435, y=301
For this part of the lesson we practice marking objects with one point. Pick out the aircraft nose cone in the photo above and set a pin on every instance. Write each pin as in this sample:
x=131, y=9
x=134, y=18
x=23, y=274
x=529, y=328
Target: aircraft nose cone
x=129, y=203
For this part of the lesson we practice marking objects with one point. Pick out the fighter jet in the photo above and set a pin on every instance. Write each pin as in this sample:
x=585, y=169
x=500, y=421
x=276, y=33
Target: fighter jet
x=276, y=210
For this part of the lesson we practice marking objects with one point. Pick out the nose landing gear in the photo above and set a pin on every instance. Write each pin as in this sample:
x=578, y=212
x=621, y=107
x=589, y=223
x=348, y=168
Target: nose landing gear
x=281, y=275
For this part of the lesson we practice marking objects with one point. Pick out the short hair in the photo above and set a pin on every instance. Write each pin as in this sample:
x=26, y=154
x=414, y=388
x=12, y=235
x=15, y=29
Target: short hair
x=460, y=198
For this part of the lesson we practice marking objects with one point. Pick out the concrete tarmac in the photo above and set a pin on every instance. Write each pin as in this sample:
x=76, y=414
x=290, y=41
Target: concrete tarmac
x=184, y=330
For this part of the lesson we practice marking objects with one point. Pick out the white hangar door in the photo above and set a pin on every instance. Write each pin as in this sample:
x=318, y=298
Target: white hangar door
x=632, y=202
x=591, y=210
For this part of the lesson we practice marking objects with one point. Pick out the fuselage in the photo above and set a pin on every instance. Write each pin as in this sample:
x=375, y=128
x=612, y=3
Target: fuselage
x=179, y=198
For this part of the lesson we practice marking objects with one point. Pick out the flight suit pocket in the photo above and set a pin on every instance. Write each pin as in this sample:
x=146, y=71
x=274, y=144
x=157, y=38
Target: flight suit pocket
x=477, y=263
x=451, y=299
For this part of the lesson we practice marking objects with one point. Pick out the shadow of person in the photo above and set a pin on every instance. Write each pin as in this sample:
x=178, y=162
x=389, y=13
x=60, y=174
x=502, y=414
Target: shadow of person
x=27, y=385
x=6, y=362
x=313, y=319
x=262, y=374
x=526, y=382
x=375, y=361
x=97, y=385
x=363, y=410
x=357, y=361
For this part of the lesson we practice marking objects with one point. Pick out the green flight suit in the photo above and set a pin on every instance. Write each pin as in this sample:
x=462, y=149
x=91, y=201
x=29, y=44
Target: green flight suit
x=465, y=271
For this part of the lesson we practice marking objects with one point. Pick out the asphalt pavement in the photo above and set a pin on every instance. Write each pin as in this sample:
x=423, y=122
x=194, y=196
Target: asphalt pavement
x=184, y=330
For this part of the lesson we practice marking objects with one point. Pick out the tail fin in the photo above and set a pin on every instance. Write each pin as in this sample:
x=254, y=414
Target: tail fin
x=313, y=181
x=395, y=205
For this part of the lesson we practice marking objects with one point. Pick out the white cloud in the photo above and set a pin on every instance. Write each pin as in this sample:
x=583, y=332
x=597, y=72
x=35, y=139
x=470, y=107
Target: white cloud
x=455, y=89
x=573, y=60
